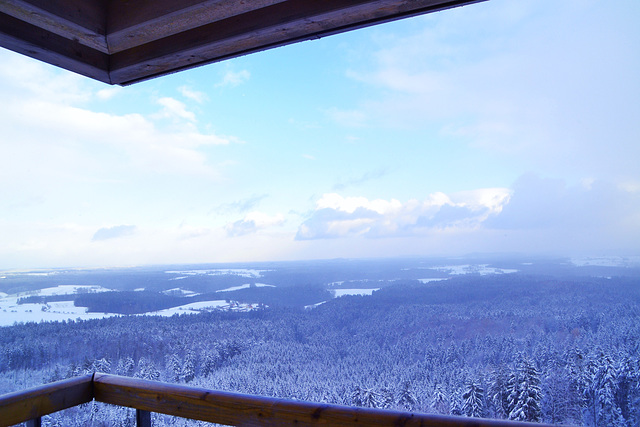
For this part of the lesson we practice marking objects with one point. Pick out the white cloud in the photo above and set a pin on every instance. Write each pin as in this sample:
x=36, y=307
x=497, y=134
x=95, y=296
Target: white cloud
x=49, y=135
x=114, y=232
x=234, y=78
x=174, y=109
x=336, y=216
x=541, y=83
x=108, y=93
x=193, y=95
x=254, y=222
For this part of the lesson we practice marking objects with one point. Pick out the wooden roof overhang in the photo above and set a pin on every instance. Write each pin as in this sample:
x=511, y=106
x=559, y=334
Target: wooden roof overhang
x=126, y=41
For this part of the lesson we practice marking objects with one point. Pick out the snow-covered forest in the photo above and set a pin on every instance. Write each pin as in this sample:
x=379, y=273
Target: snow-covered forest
x=511, y=346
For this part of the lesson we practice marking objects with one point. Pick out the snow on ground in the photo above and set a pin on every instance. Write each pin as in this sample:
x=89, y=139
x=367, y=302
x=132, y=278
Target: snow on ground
x=180, y=292
x=179, y=278
x=606, y=261
x=64, y=290
x=12, y=312
x=198, y=307
x=245, y=286
x=242, y=272
x=342, y=292
x=482, y=269
x=431, y=280
x=308, y=307
x=336, y=283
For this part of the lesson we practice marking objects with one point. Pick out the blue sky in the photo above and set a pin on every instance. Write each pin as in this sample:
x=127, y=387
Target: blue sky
x=497, y=127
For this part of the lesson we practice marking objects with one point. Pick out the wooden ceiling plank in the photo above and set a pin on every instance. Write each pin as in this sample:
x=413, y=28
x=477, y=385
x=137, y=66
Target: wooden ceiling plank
x=251, y=24
x=136, y=23
x=34, y=15
x=89, y=14
x=269, y=27
x=38, y=43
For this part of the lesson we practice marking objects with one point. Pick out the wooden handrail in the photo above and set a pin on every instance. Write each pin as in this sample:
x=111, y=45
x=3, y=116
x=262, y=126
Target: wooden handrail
x=33, y=403
x=210, y=405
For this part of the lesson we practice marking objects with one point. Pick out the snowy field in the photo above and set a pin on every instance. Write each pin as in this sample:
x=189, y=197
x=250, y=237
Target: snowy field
x=12, y=312
x=342, y=292
x=245, y=286
x=431, y=280
x=242, y=272
x=481, y=269
x=607, y=261
x=179, y=292
x=199, y=307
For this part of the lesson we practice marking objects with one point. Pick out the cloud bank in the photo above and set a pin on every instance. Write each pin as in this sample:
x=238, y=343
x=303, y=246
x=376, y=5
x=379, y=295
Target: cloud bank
x=113, y=232
x=336, y=216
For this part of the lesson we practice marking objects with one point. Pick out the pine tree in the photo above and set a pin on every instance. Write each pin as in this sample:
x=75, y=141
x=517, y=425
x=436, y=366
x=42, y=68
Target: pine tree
x=498, y=395
x=147, y=370
x=406, y=398
x=174, y=368
x=366, y=397
x=189, y=369
x=126, y=367
x=524, y=392
x=473, y=400
x=440, y=401
x=609, y=412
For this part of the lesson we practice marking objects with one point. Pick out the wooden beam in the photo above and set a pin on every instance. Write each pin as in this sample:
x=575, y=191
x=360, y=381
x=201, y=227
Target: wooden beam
x=34, y=403
x=81, y=21
x=136, y=23
x=246, y=410
x=51, y=48
x=271, y=26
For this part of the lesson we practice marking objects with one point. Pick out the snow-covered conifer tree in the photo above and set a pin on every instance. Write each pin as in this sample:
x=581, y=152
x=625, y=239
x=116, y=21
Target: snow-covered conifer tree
x=406, y=398
x=440, y=401
x=473, y=400
x=524, y=392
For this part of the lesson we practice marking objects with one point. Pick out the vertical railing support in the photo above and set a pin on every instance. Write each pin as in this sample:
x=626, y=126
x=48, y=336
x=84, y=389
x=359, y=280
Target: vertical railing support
x=143, y=418
x=36, y=422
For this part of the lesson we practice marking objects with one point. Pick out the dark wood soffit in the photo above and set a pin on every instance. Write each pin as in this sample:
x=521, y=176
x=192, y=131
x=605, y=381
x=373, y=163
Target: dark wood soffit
x=126, y=41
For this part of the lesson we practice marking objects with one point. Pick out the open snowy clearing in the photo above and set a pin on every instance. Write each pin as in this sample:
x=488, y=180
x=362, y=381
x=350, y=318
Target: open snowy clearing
x=11, y=312
x=242, y=272
x=198, y=307
x=431, y=280
x=342, y=292
x=180, y=292
x=481, y=269
x=606, y=261
x=245, y=286
x=63, y=290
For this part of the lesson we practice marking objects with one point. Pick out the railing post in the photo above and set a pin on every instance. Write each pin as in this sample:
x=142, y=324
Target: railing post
x=36, y=422
x=143, y=418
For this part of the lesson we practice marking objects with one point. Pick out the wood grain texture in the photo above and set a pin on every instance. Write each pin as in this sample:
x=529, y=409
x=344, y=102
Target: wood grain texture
x=135, y=23
x=126, y=41
x=51, y=48
x=91, y=35
x=276, y=25
x=246, y=410
x=33, y=403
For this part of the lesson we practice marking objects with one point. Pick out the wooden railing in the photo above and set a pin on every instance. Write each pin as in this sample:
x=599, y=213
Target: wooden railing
x=206, y=405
